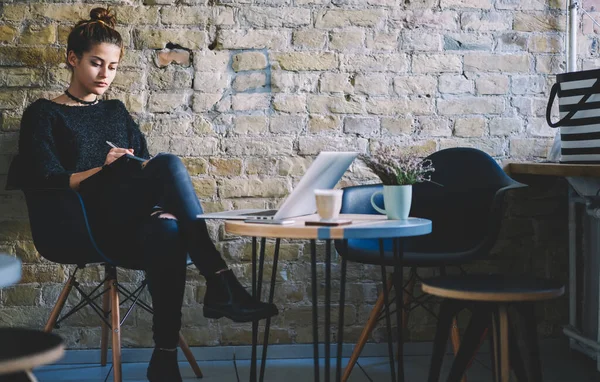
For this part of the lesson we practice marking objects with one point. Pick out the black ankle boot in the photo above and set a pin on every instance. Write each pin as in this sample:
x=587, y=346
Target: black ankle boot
x=226, y=297
x=163, y=366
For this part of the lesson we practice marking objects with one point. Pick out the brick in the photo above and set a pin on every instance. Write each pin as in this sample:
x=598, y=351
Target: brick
x=434, y=127
x=416, y=40
x=292, y=166
x=204, y=188
x=251, y=101
x=504, y=126
x=324, y=124
x=471, y=105
x=486, y=22
x=528, y=85
x=427, y=18
x=309, y=39
x=468, y=41
x=455, y=84
x=167, y=102
x=314, y=145
x=31, y=56
x=335, y=83
x=418, y=148
x=538, y=127
x=165, y=57
x=166, y=124
x=21, y=77
x=250, y=124
x=289, y=82
x=374, y=62
x=362, y=127
x=211, y=82
x=42, y=273
x=487, y=62
x=482, y=4
x=469, y=127
x=407, y=85
x=10, y=121
x=69, y=13
x=545, y=44
x=492, y=84
x=203, y=126
x=258, y=146
x=345, y=40
x=436, y=63
x=207, y=101
x=158, y=38
x=375, y=84
x=538, y=22
x=371, y=18
x=492, y=146
x=271, y=17
x=195, y=146
x=287, y=124
x=134, y=102
x=14, y=230
x=305, y=61
x=334, y=104
x=7, y=33
x=11, y=99
x=128, y=80
x=555, y=64
x=249, y=61
x=211, y=61
x=393, y=106
x=252, y=39
x=529, y=147
x=512, y=42
x=226, y=166
x=196, y=166
x=382, y=41
x=22, y=295
x=185, y=15
x=289, y=103
x=397, y=126
x=265, y=188
x=14, y=12
x=137, y=15
x=250, y=81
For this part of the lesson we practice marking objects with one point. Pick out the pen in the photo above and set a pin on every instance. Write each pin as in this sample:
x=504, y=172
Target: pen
x=111, y=144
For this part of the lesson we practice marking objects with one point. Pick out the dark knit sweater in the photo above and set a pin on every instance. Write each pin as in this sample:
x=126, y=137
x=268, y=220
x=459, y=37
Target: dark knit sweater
x=58, y=140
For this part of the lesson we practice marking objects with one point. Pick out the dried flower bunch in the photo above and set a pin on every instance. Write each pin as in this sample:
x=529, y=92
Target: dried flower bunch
x=398, y=169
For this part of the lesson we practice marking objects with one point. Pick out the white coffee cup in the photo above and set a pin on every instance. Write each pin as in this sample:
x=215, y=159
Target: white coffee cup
x=329, y=204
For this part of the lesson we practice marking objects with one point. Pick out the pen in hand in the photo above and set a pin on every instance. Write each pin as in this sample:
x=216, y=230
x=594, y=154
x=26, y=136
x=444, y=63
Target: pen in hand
x=131, y=155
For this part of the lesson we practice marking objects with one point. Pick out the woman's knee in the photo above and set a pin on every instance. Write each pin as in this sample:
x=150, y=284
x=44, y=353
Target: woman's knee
x=167, y=160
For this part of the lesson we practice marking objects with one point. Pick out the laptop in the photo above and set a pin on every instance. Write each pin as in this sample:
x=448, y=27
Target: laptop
x=324, y=173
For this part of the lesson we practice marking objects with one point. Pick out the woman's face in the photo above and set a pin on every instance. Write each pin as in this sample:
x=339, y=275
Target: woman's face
x=95, y=70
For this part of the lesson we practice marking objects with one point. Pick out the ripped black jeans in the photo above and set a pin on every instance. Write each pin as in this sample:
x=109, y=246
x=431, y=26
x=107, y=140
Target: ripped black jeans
x=120, y=216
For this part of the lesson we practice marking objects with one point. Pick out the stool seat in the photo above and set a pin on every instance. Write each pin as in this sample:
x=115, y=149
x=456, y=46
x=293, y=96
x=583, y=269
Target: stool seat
x=493, y=288
x=25, y=349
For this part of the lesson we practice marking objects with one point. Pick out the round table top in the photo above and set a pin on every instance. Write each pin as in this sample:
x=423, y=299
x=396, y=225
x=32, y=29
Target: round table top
x=24, y=349
x=10, y=270
x=362, y=227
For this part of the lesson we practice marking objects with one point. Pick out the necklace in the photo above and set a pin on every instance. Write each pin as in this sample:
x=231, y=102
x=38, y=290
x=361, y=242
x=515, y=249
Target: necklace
x=80, y=100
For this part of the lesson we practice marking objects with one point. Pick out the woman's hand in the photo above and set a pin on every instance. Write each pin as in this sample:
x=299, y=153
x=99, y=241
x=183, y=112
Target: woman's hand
x=116, y=153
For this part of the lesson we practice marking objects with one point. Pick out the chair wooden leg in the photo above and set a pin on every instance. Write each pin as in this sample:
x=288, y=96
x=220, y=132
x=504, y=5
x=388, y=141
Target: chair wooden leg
x=366, y=332
x=60, y=303
x=189, y=356
x=104, y=336
x=501, y=344
x=448, y=309
x=116, y=330
x=455, y=339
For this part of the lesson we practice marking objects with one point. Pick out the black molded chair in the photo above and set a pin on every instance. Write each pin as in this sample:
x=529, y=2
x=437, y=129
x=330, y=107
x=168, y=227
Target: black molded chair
x=61, y=233
x=464, y=201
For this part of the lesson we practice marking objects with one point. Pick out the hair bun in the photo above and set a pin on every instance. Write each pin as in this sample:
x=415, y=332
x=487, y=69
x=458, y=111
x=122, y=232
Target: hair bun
x=105, y=15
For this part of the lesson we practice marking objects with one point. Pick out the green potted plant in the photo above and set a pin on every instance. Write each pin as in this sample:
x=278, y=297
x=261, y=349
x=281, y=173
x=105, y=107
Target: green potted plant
x=398, y=172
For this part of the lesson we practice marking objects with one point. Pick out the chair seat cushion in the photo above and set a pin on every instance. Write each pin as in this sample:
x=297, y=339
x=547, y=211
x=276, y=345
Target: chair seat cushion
x=493, y=287
x=24, y=349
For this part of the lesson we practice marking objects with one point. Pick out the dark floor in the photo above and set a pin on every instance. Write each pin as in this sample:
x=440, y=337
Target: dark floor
x=559, y=363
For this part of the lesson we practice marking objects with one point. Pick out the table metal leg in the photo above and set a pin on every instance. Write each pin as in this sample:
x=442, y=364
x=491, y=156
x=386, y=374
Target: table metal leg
x=340, y=342
x=254, y=323
x=268, y=323
x=398, y=286
x=327, y=309
x=315, y=302
x=386, y=308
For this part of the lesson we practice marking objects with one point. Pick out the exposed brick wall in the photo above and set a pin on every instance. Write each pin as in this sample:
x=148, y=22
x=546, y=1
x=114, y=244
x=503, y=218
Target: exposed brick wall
x=258, y=88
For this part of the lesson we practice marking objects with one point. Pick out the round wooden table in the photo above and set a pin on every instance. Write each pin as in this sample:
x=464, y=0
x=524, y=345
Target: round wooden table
x=23, y=349
x=362, y=227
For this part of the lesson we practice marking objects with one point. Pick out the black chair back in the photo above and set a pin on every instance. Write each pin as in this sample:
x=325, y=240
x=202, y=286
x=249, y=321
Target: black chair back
x=58, y=222
x=463, y=200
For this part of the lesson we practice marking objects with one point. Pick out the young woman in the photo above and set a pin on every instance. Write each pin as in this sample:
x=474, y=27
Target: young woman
x=144, y=213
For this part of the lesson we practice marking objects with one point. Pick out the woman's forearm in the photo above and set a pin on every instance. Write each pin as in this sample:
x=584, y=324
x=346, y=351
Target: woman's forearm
x=78, y=177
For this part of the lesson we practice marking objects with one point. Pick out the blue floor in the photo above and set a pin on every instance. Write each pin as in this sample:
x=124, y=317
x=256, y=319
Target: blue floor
x=559, y=364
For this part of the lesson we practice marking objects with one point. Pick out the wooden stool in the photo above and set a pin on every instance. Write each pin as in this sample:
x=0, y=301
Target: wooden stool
x=488, y=297
x=25, y=349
